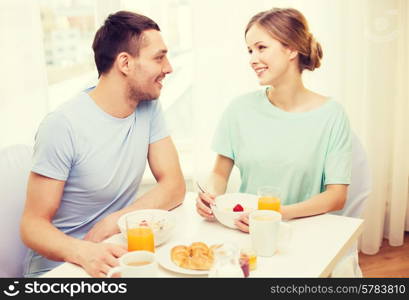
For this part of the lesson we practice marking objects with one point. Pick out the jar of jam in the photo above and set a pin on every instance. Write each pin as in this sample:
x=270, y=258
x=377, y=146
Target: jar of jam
x=252, y=257
x=244, y=264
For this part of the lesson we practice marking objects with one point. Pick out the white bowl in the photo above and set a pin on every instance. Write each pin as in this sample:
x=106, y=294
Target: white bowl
x=224, y=204
x=161, y=221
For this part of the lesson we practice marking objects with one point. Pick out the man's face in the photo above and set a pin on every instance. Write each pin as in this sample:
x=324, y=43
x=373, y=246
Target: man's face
x=149, y=68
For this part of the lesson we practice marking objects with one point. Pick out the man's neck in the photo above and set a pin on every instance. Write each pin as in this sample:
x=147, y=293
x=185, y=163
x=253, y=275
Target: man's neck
x=111, y=96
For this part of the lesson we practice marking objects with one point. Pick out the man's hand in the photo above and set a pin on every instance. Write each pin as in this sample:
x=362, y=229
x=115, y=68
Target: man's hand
x=97, y=259
x=103, y=229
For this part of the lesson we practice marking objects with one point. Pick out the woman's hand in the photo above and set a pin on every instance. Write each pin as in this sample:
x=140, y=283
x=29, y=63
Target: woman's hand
x=242, y=222
x=203, y=203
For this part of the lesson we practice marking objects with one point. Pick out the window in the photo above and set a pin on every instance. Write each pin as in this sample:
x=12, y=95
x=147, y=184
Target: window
x=68, y=31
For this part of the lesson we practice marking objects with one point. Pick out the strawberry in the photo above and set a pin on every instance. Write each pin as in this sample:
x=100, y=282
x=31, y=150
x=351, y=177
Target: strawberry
x=238, y=207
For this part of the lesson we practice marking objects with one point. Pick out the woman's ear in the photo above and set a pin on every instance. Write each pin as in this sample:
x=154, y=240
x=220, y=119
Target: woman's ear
x=292, y=54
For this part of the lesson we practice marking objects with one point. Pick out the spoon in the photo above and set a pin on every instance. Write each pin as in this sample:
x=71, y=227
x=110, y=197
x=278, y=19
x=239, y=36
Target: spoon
x=200, y=188
x=204, y=192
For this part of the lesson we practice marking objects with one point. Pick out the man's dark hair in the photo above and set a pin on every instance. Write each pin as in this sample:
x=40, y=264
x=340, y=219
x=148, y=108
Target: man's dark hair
x=121, y=32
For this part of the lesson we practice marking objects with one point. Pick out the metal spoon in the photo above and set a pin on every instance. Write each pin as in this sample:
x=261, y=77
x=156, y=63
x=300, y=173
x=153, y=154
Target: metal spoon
x=203, y=191
x=200, y=188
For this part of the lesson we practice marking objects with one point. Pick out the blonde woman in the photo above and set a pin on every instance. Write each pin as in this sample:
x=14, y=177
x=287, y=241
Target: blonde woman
x=285, y=135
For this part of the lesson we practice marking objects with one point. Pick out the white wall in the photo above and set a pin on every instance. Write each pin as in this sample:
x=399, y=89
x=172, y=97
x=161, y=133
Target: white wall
x=221, y=67
x=23, y=94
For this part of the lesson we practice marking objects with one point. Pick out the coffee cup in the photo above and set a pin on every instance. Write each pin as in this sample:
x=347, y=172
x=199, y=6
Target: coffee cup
x=268, y=233
x=136, y=264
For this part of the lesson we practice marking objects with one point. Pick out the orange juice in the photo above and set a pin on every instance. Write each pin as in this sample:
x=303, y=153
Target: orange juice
x=140, y=238
x=269, y=203
x=253, y=262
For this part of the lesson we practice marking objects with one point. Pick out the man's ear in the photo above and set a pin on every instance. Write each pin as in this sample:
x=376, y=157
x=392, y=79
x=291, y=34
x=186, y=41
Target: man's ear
x=123, y=63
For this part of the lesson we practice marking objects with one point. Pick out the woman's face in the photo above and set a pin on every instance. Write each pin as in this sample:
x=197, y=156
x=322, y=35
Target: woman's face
x=269, y=58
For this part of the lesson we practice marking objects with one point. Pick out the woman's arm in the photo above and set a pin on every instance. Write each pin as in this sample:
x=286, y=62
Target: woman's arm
x=216, y=185
x=219, y=177
x=331, y=200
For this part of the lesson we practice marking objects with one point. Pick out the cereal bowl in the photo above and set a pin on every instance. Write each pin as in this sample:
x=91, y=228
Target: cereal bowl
x=224, y=205
x=161, y=221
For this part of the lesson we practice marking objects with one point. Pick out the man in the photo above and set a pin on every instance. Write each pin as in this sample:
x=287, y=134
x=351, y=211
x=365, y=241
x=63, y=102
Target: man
x=90, y=154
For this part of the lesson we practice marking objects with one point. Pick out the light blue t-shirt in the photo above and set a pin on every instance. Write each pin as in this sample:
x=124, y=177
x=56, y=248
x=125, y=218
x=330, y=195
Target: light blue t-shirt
x=101, y=158
x=299, y=153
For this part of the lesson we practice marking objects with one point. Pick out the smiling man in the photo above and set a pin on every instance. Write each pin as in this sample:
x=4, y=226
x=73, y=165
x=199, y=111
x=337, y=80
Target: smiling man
x=91, y=153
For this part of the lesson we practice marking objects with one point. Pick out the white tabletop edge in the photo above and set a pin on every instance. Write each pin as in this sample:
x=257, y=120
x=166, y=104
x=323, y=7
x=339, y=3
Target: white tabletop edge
x=354, y=237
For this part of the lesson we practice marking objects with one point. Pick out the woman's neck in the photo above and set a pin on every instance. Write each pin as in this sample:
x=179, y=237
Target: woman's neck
x=288, y=95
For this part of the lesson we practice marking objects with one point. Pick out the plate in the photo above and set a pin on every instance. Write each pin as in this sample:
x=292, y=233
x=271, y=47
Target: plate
x=163, y=258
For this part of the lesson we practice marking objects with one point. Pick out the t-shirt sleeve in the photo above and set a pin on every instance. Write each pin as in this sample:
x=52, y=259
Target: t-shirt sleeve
x=53, y=153
x=339, y=156
x=158, y=128
x=222, y=140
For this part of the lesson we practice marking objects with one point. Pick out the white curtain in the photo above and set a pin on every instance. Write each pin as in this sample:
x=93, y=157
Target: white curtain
x=23, y=83
x=365, y=67
x=372, y=40
x=378, y=55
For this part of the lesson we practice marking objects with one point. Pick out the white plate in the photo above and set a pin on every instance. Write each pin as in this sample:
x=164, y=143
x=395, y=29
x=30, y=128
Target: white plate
x=163, y=258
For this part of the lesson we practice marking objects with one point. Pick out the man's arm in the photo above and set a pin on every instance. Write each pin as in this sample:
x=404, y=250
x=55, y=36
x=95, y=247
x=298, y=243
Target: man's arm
x=171, y=188
x=37, y=231
x=167, y=194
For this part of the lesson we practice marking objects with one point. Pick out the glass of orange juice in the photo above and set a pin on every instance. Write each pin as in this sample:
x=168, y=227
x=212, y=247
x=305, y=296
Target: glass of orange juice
x=140, y=236
x=268, y=198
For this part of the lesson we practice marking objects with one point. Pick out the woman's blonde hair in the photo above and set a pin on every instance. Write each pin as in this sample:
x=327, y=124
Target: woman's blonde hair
x=290, y=27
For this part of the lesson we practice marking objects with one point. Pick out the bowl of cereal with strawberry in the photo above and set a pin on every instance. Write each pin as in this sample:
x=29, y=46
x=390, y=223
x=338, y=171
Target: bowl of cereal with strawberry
x=162, y=223
x=228, y=207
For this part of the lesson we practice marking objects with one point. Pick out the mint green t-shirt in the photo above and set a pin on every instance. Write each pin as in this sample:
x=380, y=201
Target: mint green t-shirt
x=299, y=153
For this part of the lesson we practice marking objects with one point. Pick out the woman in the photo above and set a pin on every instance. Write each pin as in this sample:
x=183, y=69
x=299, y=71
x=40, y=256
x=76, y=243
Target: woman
x=285, y=135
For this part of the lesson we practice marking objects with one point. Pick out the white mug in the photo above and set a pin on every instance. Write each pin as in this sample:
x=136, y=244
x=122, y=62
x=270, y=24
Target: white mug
x=136, y=264
x=268, y=233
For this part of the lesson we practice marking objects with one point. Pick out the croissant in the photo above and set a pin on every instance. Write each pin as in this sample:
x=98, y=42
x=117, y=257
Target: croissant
x=199, y=248
x=197, y=256
x=179, y=254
